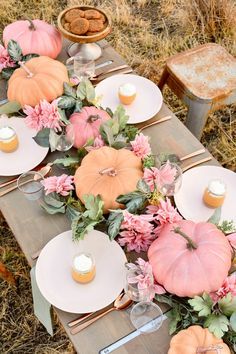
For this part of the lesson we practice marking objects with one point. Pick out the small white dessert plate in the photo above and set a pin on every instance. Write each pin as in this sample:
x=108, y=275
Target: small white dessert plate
x=148, y=99
x=189, y=198
x=28, y=154
x=53, y=272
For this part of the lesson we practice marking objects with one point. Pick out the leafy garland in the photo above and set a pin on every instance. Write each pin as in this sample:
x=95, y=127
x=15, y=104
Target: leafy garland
x=220, y=316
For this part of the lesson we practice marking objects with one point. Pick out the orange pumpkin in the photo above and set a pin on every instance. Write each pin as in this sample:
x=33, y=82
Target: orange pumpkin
x=108, y=172
x=196, y=340
x=39, y=78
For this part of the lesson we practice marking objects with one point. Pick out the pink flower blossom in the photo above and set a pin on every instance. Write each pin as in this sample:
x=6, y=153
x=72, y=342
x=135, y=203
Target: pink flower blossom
x=228, y=286
x=97, y=144
x=43, y=115
x=61, y=185
x=157, y=178
x=141, y=146
x=142, y=275
x=137, y=232
x=232, y=239
x=163, y=214
x=5, y=60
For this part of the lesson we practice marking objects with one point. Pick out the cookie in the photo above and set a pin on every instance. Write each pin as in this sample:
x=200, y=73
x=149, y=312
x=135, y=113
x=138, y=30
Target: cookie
x=95, y=25
x=67, y=26
x=79, y=26
x=103, y=18
x=92, y=14
x=73, y=14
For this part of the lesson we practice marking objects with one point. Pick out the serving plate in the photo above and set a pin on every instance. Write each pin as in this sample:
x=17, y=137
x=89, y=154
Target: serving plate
x=53, y=272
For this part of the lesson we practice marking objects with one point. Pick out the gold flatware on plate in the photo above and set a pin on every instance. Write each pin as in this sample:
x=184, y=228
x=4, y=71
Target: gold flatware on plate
x=193, y=154
x=124, y=69
x=43, y=171
x=122, y=302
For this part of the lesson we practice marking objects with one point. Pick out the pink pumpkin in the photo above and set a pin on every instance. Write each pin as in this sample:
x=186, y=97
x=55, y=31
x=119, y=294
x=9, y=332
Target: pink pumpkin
x=190, y=258
x=34, y=36
x=87, y=123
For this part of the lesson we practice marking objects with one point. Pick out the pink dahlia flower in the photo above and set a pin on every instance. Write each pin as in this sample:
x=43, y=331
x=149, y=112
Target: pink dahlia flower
x=141, y=146
x=137, y=232
x=155, y=177
x=61, y=185
x=43, y=115
x=97, y=144
x=232, y=240
x=163, y=214
x=5, y=60
x=228, y=286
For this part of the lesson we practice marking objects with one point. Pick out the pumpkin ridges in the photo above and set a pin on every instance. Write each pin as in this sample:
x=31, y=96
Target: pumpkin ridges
x=52, y=87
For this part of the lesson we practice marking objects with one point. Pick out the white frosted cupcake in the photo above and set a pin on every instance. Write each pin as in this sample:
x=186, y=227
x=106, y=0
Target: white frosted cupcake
x=8, y=139
x=83, y=268
x=127, y=93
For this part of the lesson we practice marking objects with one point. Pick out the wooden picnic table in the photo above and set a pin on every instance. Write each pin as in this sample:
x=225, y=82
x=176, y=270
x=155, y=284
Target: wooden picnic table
x=33, y=228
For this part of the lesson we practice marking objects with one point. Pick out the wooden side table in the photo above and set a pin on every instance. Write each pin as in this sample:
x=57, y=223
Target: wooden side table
x=205, y=79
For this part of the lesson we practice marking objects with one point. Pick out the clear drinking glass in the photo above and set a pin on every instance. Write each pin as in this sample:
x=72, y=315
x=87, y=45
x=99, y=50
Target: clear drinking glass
x=82, y=67
x=30, y=185
x=62, y=140
x=145, y=316
x=169, y=189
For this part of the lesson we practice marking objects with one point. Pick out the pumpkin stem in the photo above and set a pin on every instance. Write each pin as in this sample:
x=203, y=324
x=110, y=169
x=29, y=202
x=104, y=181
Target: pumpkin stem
x=93, y=118
x=23, y=66
x=191, y=245
x=31, y=26
x=216, y=348
x=110, y=171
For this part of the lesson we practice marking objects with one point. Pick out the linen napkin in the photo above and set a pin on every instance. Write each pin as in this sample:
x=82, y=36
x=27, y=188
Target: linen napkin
x=42, y=308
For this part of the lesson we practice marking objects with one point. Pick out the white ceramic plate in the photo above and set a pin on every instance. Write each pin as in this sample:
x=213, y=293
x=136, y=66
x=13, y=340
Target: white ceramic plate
x=53, y=272
x=189, y=198
x=27, y=156
x=147, y=103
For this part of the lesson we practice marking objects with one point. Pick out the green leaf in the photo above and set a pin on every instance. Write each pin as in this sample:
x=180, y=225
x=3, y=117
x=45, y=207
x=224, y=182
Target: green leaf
x=7, y=72
x=69, y=90
x=174, y=317
x=114, y=225
x=53, y=200
x=215, y=218
x=202, y=304
x=14, y=50
x=164, y=299
x=66, y=161
x=119, y=145
x=227, y=304
x=130, y=131
x=81, y=227
x=73, y=213
x=63, y=117
x=227, y=227
x=94, y=206
x=164, y=157
x=85, y=90
x=109, y=111
x=106, y=133
x=125, y=198
x=149, y=161
x=66, y=102
x=78, y=106
x=29, y=56
x=233, y=321
x=136, y=204
x=53, y=210
x=121, y=117
x=217, y=324
x=10, y=107
x=42, y=137
x=143, y=187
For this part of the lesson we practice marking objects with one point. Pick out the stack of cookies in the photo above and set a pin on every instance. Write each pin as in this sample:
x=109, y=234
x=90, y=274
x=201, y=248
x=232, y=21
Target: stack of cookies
x=84, y=22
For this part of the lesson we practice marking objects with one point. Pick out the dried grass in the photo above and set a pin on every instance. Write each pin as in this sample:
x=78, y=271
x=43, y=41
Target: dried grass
x=146, y=33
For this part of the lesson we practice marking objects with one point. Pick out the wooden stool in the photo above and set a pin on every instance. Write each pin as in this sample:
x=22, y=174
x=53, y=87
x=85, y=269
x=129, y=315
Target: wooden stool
x=204, y=78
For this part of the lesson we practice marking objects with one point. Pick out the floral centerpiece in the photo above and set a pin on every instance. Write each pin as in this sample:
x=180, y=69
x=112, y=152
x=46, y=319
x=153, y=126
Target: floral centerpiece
x=115, y=185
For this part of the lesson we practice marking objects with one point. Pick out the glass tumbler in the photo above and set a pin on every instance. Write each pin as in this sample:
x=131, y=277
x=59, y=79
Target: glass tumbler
x=30, y=185
x=169, y=189
x=82, y=67
x=62, y=140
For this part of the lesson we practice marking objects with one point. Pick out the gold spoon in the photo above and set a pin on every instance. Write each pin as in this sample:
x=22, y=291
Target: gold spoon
x=122, y=302
x=43, y=171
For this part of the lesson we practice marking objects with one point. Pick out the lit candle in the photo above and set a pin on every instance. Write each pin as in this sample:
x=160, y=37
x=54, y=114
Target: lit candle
x=83, y=268
x=8, y=139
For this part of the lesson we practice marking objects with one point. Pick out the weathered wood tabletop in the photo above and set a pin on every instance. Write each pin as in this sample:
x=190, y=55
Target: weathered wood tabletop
x=33, y=228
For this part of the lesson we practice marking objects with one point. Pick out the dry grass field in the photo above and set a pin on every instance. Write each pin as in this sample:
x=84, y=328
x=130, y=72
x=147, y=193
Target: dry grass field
x=146, y=33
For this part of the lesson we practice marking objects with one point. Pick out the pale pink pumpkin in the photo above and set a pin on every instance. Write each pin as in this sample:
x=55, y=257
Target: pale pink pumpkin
x=87, y=123
x=34, y=36
x=190, y=258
